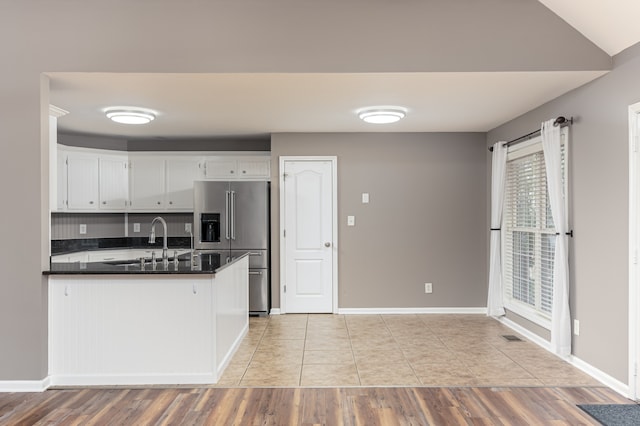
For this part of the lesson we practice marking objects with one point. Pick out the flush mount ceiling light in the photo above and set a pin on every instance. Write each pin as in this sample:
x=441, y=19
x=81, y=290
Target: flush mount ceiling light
x=126, y=115
x=382, y=115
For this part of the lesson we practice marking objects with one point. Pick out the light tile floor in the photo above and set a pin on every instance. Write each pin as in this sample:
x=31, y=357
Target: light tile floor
x=392, y=350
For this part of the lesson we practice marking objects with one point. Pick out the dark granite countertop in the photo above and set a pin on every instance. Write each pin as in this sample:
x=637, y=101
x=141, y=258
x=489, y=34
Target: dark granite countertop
x=123, y=243
x=206, y=264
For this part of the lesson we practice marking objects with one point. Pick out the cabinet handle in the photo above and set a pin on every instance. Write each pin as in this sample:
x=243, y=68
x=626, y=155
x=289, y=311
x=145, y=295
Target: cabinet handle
x=90, y=202
x=170, y=202
x=244, y=171
x=104, y=202
x=232, y=172
x=255, y=273
x=158, y=203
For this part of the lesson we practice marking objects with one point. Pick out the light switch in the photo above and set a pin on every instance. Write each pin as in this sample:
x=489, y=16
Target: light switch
x=136, y=227
x=351, y=221
x=83, y=228
x=365, y=198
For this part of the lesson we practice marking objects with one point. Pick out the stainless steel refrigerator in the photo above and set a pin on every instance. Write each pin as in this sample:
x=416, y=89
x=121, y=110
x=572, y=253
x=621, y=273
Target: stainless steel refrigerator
x=230, y=219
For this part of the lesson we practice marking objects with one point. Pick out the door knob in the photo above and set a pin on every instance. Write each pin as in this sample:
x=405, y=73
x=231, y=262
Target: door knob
x=327, y=244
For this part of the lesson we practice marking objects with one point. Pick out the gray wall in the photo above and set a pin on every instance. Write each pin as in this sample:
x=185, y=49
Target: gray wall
x=66, y=226
x=599, y=207
x=37, y=37
x=211, y=144
x=425, y=221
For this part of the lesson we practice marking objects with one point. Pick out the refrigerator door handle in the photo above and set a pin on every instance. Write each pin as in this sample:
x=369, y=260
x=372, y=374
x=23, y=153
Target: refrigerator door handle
x=226, y=218
x=233, y=215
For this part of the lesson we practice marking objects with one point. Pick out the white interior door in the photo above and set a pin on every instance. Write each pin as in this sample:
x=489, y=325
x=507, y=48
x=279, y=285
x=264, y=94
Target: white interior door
x=634, y=250
x=308, y=238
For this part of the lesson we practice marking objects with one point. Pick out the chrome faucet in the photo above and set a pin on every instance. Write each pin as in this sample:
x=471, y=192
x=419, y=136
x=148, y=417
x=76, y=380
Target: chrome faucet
x=152, y=237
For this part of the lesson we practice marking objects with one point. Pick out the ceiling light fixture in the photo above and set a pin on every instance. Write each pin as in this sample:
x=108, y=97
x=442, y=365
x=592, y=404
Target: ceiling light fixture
x=382, y=115
x=126, y=115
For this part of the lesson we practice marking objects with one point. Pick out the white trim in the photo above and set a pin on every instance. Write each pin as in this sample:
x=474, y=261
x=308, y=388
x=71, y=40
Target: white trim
x=527, y=313
x=25, y=385
x=634, y=248
x=57, y=112
x=379, y=311
x=275, y=311
x=587, y=368
x=600, y=375
x=544, y=344
x=130, y=380
x=334, y=189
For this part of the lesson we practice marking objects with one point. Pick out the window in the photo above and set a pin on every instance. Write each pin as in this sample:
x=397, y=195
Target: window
x=528, y=237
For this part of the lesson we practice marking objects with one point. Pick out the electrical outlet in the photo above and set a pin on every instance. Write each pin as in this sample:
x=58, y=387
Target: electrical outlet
x=576, y=327
x=365, y=197
x=187, y=227
x=83, y=228
x=351, y=221
x=136, y=227
x=428, y=288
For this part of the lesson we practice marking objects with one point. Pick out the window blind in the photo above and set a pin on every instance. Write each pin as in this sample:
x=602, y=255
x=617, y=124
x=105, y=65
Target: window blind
x=528, y=235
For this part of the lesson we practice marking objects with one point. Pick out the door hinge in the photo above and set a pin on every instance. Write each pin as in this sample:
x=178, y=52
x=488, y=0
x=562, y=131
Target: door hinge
x=284, y=233
x=285, y=176
x=635, y=257
x=285, y=288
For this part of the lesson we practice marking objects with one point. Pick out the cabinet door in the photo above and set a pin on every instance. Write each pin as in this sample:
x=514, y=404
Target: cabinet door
x=220, y=168
x=114, y=181
x=254, y=168
x=181, y=173
x=146, y=186
x=82, y=182
x=62, y=181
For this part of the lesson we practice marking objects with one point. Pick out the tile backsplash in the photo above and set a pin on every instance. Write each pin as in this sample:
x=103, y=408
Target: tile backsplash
x=66, y=226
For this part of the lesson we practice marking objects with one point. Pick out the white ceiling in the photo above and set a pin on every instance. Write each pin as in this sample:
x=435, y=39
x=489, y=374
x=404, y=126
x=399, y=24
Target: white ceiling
x=611, y=24
x=206, y=105
x=198, y=105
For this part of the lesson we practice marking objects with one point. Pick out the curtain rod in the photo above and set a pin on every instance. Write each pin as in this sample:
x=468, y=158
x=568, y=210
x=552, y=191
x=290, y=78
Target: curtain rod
x=560, y=121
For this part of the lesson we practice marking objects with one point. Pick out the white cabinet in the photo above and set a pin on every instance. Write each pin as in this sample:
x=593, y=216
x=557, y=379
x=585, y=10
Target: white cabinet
x=146, y=183
x=82, y=182
x=220, y=168
x=113, y=183
x=180, y=175
x=254, y=167
x=238, y=167
x=62, y=181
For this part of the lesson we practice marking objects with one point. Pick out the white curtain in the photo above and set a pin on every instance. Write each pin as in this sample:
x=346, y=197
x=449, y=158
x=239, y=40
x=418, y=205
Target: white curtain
x=560, y=316
x=495, y=303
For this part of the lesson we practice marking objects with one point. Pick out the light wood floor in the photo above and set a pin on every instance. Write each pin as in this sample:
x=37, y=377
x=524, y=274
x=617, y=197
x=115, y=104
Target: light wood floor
x=305, y=406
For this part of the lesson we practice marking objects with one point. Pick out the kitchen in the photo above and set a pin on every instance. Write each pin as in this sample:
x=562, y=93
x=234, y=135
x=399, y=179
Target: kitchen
x=430, y=244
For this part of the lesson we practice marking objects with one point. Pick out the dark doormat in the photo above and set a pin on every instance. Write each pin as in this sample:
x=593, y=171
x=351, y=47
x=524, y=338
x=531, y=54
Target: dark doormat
x=614, y=414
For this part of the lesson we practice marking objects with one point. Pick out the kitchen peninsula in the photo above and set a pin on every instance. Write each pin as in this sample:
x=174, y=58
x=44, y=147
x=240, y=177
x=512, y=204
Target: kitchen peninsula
x=125, y=323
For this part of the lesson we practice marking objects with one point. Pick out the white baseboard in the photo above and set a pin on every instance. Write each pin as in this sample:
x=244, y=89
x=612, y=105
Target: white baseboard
x=587, y=368
x=25, y=385
x=133, y=380
x=601, y=376
x=545, y=344
x=275, y=311
x=376, y=311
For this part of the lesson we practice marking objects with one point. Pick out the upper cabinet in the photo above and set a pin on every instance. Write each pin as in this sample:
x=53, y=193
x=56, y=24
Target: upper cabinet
x=146, y=183
x=180, y=175
x=113, y=181
x=240, y=167
x=82, y=182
